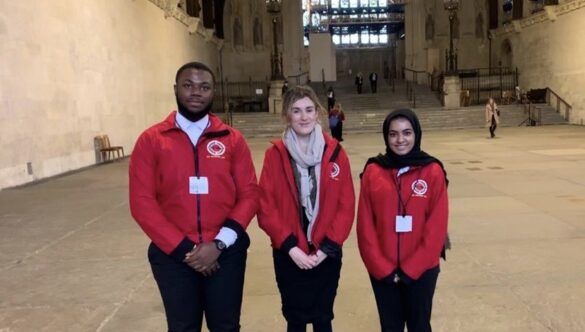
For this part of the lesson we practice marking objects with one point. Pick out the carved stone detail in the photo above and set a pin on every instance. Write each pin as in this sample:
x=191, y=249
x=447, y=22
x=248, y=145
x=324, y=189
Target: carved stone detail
x=550, y=13
x=192, y=24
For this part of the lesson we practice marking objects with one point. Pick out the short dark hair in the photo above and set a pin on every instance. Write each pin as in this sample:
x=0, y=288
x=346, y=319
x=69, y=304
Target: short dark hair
x=194, y=65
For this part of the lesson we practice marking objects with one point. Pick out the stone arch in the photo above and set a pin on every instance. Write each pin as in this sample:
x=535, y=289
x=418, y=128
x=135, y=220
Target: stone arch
x=506, y=53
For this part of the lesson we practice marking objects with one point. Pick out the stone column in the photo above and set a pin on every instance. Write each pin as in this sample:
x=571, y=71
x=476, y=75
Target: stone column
x=452, y=92
x=275, y=97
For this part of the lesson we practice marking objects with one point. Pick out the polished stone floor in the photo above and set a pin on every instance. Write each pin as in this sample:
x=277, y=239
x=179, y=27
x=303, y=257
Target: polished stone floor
x=72, y=258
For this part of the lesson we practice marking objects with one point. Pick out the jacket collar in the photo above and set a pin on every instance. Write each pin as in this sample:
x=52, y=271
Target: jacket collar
x=216, y=127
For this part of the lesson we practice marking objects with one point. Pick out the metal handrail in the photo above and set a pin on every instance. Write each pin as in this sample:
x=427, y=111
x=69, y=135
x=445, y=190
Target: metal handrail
x=568, y=107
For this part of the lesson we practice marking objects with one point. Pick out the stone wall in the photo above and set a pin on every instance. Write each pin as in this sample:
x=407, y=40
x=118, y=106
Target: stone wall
x=549, y=51
x=427, y=35
x=74, y=69
x=365, y=61
x=249, y=55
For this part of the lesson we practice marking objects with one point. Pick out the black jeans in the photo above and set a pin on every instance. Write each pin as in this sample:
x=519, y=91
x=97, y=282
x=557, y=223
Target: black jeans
x=187, y=294
x=493, y=127
x=399, y=304
x=337, y=131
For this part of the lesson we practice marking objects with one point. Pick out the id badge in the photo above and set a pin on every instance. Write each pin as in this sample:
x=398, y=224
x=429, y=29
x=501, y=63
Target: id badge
x=403, y=224
x=198, y=185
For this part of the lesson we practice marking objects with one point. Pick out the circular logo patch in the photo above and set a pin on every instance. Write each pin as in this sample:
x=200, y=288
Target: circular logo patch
x=419, y=187
x=216, y=148
x=334, y=170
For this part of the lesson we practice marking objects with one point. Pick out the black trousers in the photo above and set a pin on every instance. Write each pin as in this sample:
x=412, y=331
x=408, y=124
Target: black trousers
x=187, y=294
x=307, y=295
x=400, y=305
x=493, y=127
x=330, y=103
x=337, y=131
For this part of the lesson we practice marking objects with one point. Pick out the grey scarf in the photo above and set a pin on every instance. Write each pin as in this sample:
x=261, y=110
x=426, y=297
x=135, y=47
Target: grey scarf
x=312, y=158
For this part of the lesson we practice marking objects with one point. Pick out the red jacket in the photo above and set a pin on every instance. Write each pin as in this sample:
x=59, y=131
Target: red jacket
x=279, y=214
x=160, y=166
x=383, y=250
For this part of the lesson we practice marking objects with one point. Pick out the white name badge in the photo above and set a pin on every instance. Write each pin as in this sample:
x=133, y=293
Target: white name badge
x=403, y=224
x=198, y=185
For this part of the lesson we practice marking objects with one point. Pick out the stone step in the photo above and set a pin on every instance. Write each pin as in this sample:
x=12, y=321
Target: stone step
x=265, y=124
x=366, y=112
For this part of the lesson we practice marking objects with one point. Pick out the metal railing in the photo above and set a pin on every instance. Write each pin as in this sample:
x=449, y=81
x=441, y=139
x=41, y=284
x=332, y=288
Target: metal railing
x=299, y=79
x=534, y=115
x=413, y=78
x=240, y=96
x=411, y=93
x=483, y=83
x=561, y=106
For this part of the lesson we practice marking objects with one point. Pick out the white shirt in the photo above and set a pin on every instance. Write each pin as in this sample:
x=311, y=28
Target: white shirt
x=194, y=131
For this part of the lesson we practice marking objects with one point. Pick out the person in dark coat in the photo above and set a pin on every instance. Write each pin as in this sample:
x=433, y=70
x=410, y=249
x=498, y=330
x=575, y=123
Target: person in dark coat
x=374, y=82
x=359, y=81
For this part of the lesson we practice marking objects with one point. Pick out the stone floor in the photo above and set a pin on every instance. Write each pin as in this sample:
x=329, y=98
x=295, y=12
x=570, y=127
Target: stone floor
x=72, y=258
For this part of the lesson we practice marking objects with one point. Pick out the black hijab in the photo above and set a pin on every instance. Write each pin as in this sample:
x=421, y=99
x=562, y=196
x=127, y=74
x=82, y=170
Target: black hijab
x=416, y=157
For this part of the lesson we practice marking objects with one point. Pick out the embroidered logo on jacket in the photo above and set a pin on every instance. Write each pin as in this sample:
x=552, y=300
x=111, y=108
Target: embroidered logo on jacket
x=334, y=171
x=419, y=187
x=216, y=148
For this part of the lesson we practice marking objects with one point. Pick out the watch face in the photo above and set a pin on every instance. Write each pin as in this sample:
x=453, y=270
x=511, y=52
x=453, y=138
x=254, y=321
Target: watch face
x=219, y=244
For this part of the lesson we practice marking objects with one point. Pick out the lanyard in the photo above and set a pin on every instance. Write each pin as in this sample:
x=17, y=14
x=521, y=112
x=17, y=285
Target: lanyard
x=398, y=185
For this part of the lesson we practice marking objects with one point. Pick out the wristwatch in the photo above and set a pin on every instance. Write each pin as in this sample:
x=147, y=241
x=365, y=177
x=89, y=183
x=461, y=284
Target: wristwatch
x=219, y=244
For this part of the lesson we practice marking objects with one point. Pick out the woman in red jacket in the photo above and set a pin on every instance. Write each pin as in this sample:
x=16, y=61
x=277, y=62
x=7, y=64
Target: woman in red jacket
x=307, y=208
x=402, y=225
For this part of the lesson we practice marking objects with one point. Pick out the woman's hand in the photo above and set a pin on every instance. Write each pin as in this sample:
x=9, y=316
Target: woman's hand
x=302, y=260
x=319, y=256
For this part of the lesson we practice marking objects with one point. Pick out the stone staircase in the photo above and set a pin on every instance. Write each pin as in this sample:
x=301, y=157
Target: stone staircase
x=365, y=112
x=549, y=115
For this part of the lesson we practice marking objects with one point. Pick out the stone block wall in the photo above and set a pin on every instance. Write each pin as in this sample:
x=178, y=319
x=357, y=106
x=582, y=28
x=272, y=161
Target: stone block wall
x=74, y=69
x=551, y=53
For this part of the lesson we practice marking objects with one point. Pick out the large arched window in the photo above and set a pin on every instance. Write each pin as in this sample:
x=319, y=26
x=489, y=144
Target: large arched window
x=352, y=23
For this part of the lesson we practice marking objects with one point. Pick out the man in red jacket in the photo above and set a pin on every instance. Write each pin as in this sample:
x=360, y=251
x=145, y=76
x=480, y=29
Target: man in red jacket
x=193, y=191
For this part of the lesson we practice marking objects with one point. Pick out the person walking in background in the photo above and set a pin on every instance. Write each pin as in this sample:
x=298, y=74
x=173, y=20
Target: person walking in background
x=402, y=225
x=307, y=208
x=330, y=98
x=359, y=82
x=284, y=88
x=374, y=82
x=336, y=118
x=193, y=191
x=492, y=116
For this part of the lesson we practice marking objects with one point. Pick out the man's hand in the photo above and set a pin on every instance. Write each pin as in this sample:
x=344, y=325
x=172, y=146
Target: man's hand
x=210, y=269
x=203, y=258
x=302, y=260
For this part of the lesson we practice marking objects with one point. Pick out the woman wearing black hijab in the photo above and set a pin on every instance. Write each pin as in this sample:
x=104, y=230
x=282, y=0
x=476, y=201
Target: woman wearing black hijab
x=402, y=224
